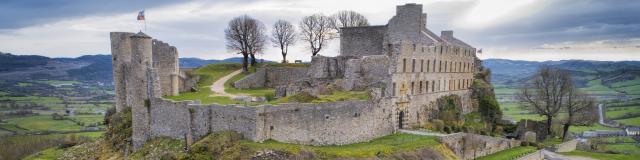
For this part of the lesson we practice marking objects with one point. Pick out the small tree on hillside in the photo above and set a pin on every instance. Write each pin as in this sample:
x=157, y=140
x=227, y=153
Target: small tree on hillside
x=316, y=30
x=546, y=94
x=283, y=35
x=576, y=104
x=245, y=35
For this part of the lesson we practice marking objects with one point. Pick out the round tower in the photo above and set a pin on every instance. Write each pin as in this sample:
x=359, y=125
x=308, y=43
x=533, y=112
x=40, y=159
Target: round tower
x=121, y=56
x=138, y=90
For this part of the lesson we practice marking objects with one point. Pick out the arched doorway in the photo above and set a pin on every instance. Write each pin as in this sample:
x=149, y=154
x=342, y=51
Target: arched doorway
x=400, y=119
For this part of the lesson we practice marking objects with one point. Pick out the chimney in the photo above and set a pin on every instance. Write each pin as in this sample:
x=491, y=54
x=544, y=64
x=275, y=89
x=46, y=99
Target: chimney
x=446, y=34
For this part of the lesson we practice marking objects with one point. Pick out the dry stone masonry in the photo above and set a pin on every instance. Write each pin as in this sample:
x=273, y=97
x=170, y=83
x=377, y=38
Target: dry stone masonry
x=405, y=67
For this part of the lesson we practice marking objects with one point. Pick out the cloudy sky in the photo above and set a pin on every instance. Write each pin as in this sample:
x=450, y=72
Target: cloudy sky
x=510, y=29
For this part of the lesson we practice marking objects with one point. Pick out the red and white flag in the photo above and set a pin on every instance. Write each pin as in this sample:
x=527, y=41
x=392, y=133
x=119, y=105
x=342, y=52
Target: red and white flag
x=480, y=51
x=141, y=15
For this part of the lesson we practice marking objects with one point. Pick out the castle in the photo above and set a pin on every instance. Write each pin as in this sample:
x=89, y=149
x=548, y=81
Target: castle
x=405, y=66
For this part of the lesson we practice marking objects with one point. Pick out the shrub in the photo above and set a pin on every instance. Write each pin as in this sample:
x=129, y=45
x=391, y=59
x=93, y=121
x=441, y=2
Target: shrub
x=270, y=96
x=303, y=97
x=118, y=134
x=447, y=129
x=56, y=116
x=438, y=124
x=524, y=143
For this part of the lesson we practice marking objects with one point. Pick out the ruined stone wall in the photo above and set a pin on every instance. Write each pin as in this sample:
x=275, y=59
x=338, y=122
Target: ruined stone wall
x=362, y=41
x=271, y=77
x=471, y=146
x=366, y=72
x=327, y=123
x=188, y=81
x=165, y=60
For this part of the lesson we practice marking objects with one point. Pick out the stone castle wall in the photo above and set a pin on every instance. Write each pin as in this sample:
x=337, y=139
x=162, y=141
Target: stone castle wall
x=271, y=77
x=471, y=146
x=362, y=41
x=333, y=123
x=165, y=60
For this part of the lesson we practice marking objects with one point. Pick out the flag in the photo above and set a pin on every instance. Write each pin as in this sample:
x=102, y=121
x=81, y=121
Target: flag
x=480, y=51
x=141, y=15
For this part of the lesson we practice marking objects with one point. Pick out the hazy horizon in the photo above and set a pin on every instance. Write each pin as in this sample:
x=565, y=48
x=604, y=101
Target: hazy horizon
x=532, y=30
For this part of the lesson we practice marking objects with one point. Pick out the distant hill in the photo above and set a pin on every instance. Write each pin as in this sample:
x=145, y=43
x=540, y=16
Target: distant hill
x=598, y=77
x=83, y=68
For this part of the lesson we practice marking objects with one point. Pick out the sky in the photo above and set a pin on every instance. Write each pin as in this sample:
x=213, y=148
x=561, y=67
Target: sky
x=536, y=30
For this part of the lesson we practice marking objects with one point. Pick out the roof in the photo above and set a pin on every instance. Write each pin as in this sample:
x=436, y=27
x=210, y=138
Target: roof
x=431, y=35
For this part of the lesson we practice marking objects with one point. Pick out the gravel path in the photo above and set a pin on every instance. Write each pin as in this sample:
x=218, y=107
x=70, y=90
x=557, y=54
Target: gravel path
x=218, y=86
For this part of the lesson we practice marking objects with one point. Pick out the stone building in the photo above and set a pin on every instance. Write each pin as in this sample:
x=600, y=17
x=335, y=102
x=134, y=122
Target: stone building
x=405, y=66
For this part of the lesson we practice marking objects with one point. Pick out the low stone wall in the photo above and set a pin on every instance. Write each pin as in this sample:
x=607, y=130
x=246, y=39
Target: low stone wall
x=187, y=81
x=271, y=77
x=537, y=155
x=567, y=146
x=470, y=146
x=332, y=123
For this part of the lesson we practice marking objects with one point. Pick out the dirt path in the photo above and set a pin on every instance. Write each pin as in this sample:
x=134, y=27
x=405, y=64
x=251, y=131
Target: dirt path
x=218, y=86
x=555, y=156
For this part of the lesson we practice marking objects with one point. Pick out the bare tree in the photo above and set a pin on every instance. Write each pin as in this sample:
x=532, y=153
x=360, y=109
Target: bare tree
x=316, y=30
x=246, y=36
x=283, y=35
x=576, y=104
x=545, y=95
x=348, y=19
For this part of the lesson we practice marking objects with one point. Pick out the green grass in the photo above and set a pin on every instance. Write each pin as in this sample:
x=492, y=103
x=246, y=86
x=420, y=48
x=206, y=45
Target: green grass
x=630, y=121
x=58, y=82
x=516, y=112
x=620, y=111
x=47, y=154
x=596, y=87
x=23, y=84
x=208, y=75
x=385, y=145
x=603, y=156
x=43, y=123
x=505, y=90
x=90, y=119
x=35, y=99
x=3, y=93
x=623, y=148
x=615, y=139
x=594, y=127
x=255, y=92
x=509, y=154
x=551, y=141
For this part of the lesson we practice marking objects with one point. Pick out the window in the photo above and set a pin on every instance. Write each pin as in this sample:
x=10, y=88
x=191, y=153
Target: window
x=393, y=93
x=428, y=63
x=413, y=65
x=420, y=88
x=445, y=66
x=433, y=86
x=404, y=65
x=412, y=88
x=414, y=47
x=422, y=49
x=427, y=87
x=390, y=48
x=440, y=66
x=422, y=65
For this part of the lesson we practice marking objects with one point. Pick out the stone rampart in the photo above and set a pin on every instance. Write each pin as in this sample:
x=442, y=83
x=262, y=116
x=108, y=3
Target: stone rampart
x=331, y=123
x=471, y=146
x=271, y=77
x=362, y=41
x=165, y=60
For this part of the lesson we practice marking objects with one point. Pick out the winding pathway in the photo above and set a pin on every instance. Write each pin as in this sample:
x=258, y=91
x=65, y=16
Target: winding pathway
x=218, y=86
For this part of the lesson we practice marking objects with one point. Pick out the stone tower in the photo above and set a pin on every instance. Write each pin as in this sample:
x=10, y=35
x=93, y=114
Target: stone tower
x=135, y=79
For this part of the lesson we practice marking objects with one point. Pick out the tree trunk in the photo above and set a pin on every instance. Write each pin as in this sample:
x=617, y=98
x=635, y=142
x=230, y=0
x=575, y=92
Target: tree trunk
x=549, y=121
x=253, y=60
x=565, y=131
x=284, y=57
x=245, y=58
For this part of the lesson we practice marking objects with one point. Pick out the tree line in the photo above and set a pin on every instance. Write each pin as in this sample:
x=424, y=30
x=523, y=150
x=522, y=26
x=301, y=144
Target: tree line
x=247, y=36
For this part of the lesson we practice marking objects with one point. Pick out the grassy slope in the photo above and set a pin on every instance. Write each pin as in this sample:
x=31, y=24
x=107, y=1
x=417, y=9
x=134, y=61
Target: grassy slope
x=255, y=92
x=603, y=155
x=208, y=75
x=619, y=111
x=509, y=154
x=43, y=123
x=630, y=121
x=384, y=145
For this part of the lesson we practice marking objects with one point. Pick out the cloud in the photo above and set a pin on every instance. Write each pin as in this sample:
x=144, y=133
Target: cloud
x=501, y=27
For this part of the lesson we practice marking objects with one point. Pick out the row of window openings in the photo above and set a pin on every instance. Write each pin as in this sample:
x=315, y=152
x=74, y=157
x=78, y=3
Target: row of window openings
x=442, y=50
x=448, y=66
x=458, y=84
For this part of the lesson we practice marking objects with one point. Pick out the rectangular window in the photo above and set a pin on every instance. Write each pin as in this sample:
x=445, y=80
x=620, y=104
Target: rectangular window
x=433, y=86
x=420, y=88
x=428, y=63
x=393, y=93
x=446, y=64
x=404, y=65
x=414, y=47
x=413, y=65
x=427, y=87
x=422, y=65
x=412, y=88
